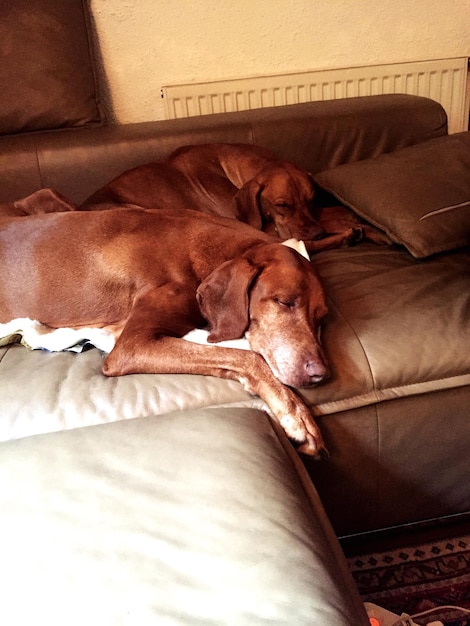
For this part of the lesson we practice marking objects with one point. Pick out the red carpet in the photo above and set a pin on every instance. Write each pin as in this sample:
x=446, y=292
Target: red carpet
x=414, y=579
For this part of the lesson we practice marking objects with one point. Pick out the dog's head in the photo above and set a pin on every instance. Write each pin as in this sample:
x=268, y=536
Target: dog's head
x=273, y=297
x=282, y=196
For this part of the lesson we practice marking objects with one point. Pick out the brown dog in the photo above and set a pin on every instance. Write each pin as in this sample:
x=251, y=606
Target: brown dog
x=241, y=181
x=149, y=277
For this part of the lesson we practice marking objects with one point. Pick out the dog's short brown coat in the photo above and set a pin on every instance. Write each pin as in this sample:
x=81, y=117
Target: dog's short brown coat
x=242, y=181
x=151, y=276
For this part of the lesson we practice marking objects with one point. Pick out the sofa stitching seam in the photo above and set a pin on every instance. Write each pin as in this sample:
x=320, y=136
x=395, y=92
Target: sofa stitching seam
x=375, y=393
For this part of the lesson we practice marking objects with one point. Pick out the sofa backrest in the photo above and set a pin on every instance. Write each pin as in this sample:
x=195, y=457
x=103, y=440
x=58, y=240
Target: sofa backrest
x=314, y=135
x=48, y=77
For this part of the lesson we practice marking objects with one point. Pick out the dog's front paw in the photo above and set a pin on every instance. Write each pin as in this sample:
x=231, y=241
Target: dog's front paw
x=312, y=449
x=306, y=436
x=353, y=235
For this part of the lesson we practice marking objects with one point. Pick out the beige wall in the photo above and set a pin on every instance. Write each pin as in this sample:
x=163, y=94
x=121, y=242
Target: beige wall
x=145, y=44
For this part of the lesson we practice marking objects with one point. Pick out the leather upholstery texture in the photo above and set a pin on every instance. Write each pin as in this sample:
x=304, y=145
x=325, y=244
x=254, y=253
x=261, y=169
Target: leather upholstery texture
x=175, y=499
x=313, y=135
x=396, y=334
x=48, y=78
x=210, y=519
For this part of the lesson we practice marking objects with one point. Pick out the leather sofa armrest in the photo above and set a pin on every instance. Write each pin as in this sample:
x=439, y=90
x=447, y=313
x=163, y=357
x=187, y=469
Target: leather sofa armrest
x=204, y=516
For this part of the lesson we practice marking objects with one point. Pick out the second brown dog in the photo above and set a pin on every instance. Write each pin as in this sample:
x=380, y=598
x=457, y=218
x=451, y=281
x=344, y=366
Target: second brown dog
x=241, y=181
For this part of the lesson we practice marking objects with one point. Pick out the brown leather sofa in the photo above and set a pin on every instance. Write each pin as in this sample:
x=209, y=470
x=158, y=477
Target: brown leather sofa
x=176, y=499
x=173, y=479
x=396, y=408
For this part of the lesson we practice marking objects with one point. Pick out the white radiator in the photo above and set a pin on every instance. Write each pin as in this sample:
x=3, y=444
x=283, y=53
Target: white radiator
x=444, y=80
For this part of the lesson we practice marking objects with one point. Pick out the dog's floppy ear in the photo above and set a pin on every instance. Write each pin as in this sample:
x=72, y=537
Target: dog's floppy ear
x=44, y=201
x=223, y=299
x=247, y=201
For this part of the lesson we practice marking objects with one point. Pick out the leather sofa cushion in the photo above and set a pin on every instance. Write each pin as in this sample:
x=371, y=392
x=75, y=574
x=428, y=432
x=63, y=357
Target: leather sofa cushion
x=397, y=462
x=420, y=196
x=203, y=517
x=396, y=326
x=47, y=79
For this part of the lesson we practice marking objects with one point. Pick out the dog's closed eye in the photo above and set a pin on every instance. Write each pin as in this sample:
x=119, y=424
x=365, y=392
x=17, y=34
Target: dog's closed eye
x=283, y=209
x=285, y=302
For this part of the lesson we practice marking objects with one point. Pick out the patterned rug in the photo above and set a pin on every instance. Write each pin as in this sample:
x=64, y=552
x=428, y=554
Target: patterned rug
x=418, y=578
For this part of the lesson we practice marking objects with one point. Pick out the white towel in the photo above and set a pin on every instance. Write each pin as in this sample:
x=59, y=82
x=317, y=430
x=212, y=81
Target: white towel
x=37, y=336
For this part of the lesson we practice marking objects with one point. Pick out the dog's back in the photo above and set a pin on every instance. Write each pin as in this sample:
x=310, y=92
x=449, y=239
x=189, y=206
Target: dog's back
x=237, y=162
x=147, y=278
x=202, y=177
x=73, y=257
